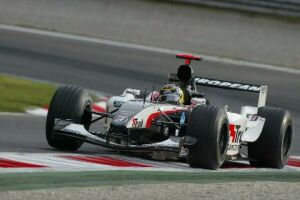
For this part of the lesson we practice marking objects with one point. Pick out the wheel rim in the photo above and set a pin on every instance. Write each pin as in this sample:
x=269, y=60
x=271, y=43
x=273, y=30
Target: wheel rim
x=287, y=141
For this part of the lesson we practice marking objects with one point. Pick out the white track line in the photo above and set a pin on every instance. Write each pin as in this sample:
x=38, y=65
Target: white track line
x=149, y=48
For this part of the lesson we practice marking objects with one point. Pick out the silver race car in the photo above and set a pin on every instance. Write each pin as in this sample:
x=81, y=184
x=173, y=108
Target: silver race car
x=174, y=123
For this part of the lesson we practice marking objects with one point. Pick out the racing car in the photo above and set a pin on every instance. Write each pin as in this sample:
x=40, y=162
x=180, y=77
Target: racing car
x=176, y=122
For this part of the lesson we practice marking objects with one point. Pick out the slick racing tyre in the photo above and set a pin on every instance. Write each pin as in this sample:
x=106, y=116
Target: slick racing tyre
x=272, y=148
x=68, y=102
x=208, y=133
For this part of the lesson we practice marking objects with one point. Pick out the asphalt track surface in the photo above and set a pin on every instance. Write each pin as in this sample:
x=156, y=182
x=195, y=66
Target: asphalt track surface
x=110, y=69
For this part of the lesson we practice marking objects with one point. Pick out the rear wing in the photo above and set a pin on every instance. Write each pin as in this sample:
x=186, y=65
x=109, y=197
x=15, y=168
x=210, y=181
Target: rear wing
x=217, y=83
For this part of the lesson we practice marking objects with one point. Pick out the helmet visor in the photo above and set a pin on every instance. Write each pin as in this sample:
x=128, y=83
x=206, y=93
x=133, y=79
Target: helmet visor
x=170, y=98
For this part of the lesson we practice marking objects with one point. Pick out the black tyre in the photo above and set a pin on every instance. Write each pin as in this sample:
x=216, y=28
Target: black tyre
x=272, y=148
x=209, y=126
x=68, y=102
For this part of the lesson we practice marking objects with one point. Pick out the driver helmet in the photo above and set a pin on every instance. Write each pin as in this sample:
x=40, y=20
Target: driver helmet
x=172, y=94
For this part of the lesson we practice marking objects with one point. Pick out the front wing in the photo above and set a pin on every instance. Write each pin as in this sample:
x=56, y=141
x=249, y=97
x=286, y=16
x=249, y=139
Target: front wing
x=78, y=131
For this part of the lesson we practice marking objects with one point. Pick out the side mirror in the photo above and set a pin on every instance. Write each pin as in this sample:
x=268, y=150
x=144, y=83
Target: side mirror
x=131, y=91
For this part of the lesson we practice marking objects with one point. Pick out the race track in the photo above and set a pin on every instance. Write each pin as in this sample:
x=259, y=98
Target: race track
x=110, y=69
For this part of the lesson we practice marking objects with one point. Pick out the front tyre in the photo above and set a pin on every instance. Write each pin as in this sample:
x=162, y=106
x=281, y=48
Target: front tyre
x=208, y=127
x=273, y=147
x=68, y=102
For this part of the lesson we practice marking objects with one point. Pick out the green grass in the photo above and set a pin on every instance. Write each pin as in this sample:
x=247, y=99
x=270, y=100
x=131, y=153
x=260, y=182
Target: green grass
x=18, y=94
x=40, y=180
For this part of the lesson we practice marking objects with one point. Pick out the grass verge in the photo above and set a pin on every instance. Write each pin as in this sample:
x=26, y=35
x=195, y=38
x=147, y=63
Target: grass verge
x=17, y=94
x=40, y=180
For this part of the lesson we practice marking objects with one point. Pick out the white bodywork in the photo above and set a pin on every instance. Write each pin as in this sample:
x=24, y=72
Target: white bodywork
x=237, y=126
x=243, y=127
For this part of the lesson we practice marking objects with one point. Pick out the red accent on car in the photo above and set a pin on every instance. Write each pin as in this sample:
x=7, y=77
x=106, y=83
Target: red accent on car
x=156, y=115
x=6, y=163
x=107, y=161
x=232, y=132
x=151, y=118
x=188, y=58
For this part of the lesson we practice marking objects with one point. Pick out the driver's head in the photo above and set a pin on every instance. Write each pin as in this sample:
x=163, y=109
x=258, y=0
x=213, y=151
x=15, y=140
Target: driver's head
x=172, y=94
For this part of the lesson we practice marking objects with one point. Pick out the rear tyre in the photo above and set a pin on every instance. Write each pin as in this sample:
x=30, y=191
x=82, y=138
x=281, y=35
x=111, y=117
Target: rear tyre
x=68, y=102
x=209, y=126
x=272, y=148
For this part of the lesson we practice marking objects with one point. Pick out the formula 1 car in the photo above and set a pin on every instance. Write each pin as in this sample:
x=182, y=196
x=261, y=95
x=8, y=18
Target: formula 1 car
x=204, y=134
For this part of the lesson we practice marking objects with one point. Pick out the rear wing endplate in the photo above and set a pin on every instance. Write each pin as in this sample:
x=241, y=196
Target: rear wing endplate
x=217, y=83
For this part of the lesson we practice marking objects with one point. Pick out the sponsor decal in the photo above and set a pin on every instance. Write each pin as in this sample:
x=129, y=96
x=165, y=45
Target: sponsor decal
x=227, y=84
x=126, y=112
x=233, y=147
x=235, y=139
x=121, y=119
x=252, y=117
x=136, y=123
x=235, y=133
